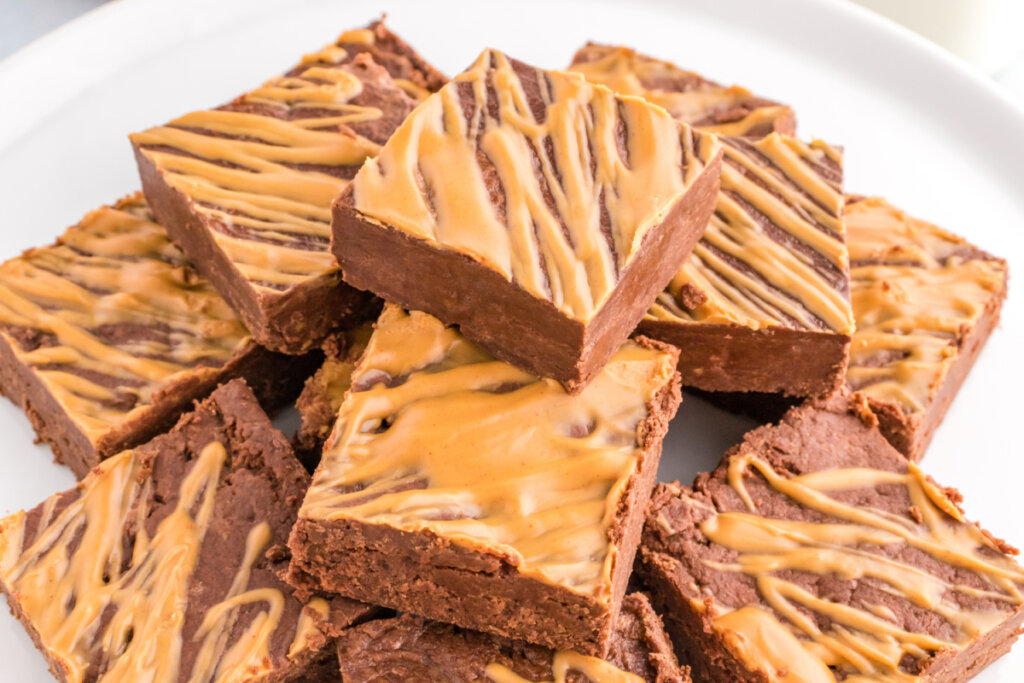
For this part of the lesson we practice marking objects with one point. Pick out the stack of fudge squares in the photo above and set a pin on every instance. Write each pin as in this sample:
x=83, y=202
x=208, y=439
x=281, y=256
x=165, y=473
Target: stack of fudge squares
x=490, y=291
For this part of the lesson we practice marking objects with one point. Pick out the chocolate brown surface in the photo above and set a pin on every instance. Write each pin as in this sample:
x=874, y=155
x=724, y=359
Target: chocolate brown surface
x=109, y=334
x=170, y=559
x=408, y=648
x=432, y=496
x=246, y=188
x=815, y=550
x=554, y=278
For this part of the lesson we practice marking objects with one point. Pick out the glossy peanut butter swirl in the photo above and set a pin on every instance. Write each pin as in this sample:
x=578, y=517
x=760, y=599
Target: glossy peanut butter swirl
x=264, y=169
x=108, y=600
x=566, y=662
x=917, y=290
x=112, y=315
x=689, y=97
x=801, y=634
x=774, y=253
x=539, y=175
x=436, y=435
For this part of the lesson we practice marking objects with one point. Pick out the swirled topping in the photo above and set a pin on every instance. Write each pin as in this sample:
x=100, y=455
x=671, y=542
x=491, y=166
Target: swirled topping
x=112, y=315
x=689, y=97
x=917, y=290
x=437, y=435
x=538, y=175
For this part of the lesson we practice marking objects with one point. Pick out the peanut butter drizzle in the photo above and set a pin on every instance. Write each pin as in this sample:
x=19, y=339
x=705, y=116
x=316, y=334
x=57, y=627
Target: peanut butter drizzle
x=258, y=179
x=486, y=455
x=558, y=176
x=785, y=643
x=698, y=103
x=76, y=571
x=746, y=275
x=116, y=267
x=914, y=295
x=565, y=662
x=335, y=53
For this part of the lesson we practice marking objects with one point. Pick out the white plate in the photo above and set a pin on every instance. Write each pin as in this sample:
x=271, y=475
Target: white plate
x=918, y=127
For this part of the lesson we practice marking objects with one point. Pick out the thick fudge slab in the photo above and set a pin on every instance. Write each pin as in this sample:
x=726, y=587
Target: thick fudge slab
x=691, y=98
x=107, y=336
x=540, y=213
x=246, y=188
x=409, y=648
x=163, y=563
x=925, y=302
x=463, y=489
x=816, y=552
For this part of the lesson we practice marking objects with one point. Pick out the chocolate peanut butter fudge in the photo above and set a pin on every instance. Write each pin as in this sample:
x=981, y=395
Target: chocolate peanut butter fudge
x=925, y=302
x=246, y=188
x=409, y=648
x=460, y=488
x=107, y=336
x=691, y=98
x=407, y=68
x=763, y=303
x=816, y=552
x=163, y=563
x=537, y=211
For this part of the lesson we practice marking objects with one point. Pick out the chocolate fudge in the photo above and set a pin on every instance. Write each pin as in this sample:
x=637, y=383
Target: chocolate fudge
x=162, y=564
x=925, y=302
x=817, y=552
x=408, y=648
x=691, y=98
x=460, y=488
x=540, y=213
x=108, y=335
x=407, y=68
x=246, y=188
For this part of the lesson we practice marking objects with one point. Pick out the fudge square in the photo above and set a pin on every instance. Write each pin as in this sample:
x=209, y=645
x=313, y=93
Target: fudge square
x=689, y=97
x=109, y=335
x=763, y=302
x=816, y=552
x=460, y=488
x=925, y=302
x=163, y=563
x=409, y=648
x=540, y=213
x=246, y=188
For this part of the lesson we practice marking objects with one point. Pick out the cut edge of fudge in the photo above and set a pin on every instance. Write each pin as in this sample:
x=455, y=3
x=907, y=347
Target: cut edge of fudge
x=910, y=429
x=721, y=602
x=174, y=510
x=475, y=582
x=569, y=308
x=412, y=648
x=48, y=357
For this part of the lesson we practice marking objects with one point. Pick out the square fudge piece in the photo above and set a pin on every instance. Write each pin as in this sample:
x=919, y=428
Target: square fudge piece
x=463, y=489
x=925, y=302
x=689, y=97
x=163, y=563
x=540, y=213
x=246, y=188
x=109, y=335
x=408, y=648
x=816, y=552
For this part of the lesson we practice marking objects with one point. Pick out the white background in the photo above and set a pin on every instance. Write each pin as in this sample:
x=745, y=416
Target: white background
x=918, y=127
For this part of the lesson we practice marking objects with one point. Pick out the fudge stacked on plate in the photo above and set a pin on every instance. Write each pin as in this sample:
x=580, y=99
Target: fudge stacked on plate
x=501, y=282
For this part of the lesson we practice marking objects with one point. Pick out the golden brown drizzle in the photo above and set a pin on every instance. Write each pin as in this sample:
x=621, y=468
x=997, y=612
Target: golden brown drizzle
x=116, y=267
x=914, y=294
x=694, y=100
x=752, y=278
x=258, y=178
x=429, y=183
x=864, y=644
x=485, y=454
x=72, y=574
x=563, y=663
